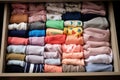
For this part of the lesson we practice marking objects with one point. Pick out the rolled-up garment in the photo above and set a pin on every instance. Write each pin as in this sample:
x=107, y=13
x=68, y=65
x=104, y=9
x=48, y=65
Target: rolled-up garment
x=33, y=68
x=94, y=34
x=76, y=31
x=18, y=33
x=36, y=33
x=53, y=48
x=16, y=49
x=37, y=13
x=18, y=18
x=91, y=67
x=35, y=50
x=55, y=4
x=72, y=68
x=14, y=56
x=73, y=62
x=19, y=6
x=54, y=16
x=52, y=55
x=36, y=25
x=96, y=51
x=58, y=24
x=51, y=31
x=52, y=69
x=94, y=44
x=16, y=62
x=72, y=48
x=53, y=61
x=71, y=16
x=98, y=22
x=19, y=11
x=20, y=26
x=17, y=41
x=34, y=59
x=36, y=41
x=73, y=23
x=74, y=55
x=71, y=39
x=55, y=39
x=36, y=7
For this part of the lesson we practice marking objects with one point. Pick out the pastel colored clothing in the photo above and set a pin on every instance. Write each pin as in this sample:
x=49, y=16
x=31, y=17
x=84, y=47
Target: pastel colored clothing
x=37, y=13
x=54, y=16
x=36, y=7
x=73, y=23
x=95, y=51
x=74, y=55
x=20, y=26
x=55, y=39
x=71, y=39
x=36, y=33
x=53, y=61
x=51, y=31
x=17, y=41
x=72, y=48
x=72, y=68
x=16, y=62
x=16, y=49
x=36, y=41
x=55, y=4
x=98, y=22
x=52, y=69
x=52, y=55
x=34, y=50
x=19, y=6
x=73, y=62
x=19, y=11
x=35, y=59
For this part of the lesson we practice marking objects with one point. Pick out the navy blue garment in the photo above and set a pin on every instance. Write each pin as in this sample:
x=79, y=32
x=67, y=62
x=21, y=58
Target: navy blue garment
x=71, y=16
x=18, y=33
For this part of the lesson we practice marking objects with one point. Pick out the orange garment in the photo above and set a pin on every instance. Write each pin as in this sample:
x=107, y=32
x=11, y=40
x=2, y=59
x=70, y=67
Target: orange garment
x=71, y=39
x=73, y=61
x=55, y=39
x=52, y=68
x=18, y=18
x=73, y=55
x=17, y=41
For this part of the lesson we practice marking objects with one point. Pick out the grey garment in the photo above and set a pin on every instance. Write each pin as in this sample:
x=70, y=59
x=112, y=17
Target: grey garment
x=53, y=61
x=98, y=22
x=94, y=67
x=16, y=49
x=35, y=50
x=48, y=55
x=72, y=68
x=36, y=25
x=34, y=59
x=16, y=62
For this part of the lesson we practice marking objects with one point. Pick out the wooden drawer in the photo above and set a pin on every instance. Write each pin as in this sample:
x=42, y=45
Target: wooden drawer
x=114, y=43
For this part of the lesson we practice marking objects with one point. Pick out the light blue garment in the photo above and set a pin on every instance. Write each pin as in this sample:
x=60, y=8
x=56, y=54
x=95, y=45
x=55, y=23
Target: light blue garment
x=36, y=33
x=53, y=61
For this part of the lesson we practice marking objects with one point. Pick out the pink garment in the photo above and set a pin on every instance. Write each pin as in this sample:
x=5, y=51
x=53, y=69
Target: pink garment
x=96, y=51
x=36, y=7
x=94, y=34
x=93, y=44
x=19, y=11
x=72, y=48
x=33, y=13
x=19, y=6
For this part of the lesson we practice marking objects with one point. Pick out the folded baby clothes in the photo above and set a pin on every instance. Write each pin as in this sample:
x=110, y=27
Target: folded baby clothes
x=71, y=16
x=54, y=16
x=53, y=61
x=37, y=13
x=16, y=62
x=36, y=41
x=35, y=50
x=33, y=68
x=72, y=48
x=98, y=22
x=55, y=24
x=19, y=11
x=35, y=59
x=18, y=18
x=96, y=51
x=55, y=39
x=36, y=33
x=17, y=41
x=90, y=67
x=54, y=4
x=36, y=7
x=52, y=68
x=19, y=6
x=16, y=49
x=52, y=55
x=72, y=68
x=36, y=25
x=71, y=39
x=20, y=26
x=14, y=56
x=73, y=62
x=17, y=33
x=51, y=31
x=73, y=23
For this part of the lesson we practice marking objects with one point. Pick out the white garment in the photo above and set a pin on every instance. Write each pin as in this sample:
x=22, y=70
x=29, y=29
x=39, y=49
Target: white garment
x=54, y=17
